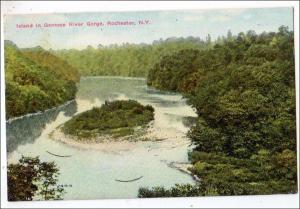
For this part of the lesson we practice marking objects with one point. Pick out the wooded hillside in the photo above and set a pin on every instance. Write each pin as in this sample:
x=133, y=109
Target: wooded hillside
x=36, y=80
x=244, y=93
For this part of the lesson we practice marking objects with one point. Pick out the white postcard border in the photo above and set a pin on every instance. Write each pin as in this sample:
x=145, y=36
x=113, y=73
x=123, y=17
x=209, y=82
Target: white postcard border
x=259, y=201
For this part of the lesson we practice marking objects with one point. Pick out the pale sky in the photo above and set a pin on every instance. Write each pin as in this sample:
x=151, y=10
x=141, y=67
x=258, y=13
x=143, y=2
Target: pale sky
x=164, y=24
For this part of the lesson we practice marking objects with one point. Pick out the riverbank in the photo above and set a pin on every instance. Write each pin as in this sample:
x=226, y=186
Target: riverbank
x=40, y=112
x=107, y=143
x=185, y=168
x=150, y=138
x=104, y=143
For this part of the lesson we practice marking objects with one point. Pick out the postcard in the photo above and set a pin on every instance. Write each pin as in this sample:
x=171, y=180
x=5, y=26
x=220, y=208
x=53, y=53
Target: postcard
x=148, y=104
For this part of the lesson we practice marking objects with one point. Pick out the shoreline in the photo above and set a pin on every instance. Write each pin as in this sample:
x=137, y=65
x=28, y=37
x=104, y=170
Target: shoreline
x=125, y=143
x=118, y=77
x=184, y=168
x=103, y=143
x=38, y=113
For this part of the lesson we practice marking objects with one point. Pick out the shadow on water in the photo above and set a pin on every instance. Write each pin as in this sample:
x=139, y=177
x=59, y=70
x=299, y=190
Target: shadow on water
x=151, y=90
x=27, y=129
x=187, y=121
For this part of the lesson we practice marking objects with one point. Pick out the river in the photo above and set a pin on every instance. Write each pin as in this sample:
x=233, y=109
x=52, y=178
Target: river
x=91, y=173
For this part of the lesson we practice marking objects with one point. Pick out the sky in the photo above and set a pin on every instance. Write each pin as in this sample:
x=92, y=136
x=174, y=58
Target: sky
x=163, y=24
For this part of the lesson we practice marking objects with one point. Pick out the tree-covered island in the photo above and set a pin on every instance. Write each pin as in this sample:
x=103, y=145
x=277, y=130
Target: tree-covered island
x=116, y=119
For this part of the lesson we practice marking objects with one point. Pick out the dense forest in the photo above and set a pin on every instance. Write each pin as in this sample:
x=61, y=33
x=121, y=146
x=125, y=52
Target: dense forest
x=133, y=60
x=243, y=90
x=36, y=80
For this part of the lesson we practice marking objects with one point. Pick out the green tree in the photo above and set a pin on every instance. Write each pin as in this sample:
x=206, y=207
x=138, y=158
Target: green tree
x=30, y=178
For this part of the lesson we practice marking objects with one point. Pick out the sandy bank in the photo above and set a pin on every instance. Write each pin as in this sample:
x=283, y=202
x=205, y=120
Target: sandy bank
x=106, y=143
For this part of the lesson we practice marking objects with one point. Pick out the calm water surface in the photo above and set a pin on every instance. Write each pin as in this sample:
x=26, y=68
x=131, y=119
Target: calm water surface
x=92, y=173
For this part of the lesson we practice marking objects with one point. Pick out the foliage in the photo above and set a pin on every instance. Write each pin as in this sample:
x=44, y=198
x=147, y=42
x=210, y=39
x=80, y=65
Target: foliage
x=117, y=118
x=248, y=104
x=180, y=190
x=36, y=80
x=30, y=178
x=132, y=60
x=262, y=174
x=243, y=90
x=167, y=73
x=56, y=66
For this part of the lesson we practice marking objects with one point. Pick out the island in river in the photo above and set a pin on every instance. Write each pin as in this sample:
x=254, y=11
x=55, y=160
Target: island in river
x=114, y=121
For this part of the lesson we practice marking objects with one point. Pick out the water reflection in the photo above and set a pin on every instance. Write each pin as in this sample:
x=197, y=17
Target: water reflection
x=97, y=88
x=187, y=121
x=25, y=130
x=93, y=88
